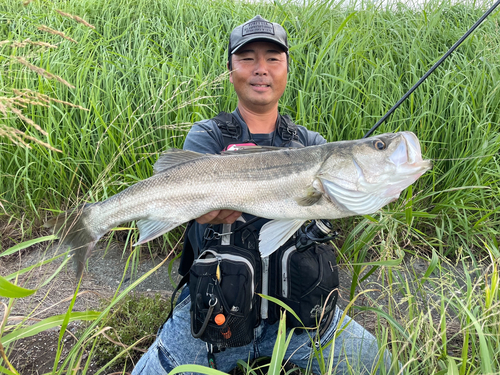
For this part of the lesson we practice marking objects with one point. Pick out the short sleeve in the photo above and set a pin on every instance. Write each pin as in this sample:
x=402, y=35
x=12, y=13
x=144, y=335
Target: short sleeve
x=204, y=137
x=309, y=138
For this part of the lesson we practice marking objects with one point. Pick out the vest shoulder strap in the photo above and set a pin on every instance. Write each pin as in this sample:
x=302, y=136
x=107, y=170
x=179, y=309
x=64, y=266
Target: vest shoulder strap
x=229, y=127
x=287, y=130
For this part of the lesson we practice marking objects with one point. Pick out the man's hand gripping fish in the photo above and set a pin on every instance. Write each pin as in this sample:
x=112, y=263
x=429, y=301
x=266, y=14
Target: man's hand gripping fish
x=329, y=181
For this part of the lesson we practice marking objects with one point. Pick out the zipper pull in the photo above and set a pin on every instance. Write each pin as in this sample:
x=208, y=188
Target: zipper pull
x=211, y=357
x=218, y=274
x=211, y=360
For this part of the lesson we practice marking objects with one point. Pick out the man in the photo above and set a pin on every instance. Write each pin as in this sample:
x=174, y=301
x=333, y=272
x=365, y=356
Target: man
x=258, y=64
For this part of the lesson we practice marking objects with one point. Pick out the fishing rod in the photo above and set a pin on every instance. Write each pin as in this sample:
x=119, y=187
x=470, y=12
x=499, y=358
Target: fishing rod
x=429, y=72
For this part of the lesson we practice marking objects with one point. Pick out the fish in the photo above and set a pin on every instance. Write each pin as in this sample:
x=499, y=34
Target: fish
x=287, y=185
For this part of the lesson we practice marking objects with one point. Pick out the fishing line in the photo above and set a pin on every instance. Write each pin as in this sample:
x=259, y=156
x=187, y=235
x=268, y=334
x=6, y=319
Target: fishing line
x=431, y=70
x=466, y=158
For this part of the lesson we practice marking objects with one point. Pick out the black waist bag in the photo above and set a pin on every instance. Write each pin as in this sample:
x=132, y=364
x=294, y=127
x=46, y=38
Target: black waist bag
x=308, y=282
x=223, y=282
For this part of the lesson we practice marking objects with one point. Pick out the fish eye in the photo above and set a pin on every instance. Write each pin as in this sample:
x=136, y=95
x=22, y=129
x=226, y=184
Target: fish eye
x=379, y=145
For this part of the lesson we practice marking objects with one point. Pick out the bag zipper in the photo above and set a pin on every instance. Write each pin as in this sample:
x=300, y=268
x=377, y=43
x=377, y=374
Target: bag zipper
x=264, y=305
x=284, y=271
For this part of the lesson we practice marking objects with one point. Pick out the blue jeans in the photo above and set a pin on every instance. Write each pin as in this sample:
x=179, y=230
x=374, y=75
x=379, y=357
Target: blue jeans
x=355, y=349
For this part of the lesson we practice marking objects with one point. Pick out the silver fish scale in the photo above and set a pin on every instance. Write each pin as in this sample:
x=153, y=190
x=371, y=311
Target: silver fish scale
x=229, y=181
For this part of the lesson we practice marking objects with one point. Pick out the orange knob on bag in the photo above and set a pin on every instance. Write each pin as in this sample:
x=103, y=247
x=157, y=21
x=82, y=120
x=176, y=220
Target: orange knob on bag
x=220, y=319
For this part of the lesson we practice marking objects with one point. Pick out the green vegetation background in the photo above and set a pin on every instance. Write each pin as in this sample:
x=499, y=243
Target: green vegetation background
x=150, y=69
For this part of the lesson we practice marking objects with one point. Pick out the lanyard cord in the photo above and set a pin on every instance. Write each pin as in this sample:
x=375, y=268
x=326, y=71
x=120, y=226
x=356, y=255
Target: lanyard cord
x=431, y=70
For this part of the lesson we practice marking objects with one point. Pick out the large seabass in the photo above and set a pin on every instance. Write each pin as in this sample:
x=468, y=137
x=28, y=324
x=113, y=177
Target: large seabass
x=291, y=186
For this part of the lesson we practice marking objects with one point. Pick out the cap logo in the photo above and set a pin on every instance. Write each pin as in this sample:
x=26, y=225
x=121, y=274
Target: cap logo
x=258, y=27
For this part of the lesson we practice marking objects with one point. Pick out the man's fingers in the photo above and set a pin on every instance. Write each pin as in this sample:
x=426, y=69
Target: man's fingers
x=208, y=217
x=219, y=217
x=232, y=217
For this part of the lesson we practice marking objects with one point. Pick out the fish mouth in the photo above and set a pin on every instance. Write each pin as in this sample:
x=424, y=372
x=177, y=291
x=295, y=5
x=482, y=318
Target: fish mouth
x=409, y=165
x=409, y=153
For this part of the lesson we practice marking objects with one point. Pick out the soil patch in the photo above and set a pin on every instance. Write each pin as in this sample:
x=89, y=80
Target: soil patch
x=36, y=354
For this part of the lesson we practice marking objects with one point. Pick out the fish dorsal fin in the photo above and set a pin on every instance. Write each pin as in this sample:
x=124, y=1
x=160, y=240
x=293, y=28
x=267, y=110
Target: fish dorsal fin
x=241, y=150
x=173, y=157
x=275, y=233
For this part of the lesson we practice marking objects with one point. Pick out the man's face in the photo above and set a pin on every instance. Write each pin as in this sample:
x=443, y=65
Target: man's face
x=259, y=75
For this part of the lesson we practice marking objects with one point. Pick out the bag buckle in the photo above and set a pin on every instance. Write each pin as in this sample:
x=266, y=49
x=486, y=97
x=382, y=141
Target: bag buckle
x=211, y=234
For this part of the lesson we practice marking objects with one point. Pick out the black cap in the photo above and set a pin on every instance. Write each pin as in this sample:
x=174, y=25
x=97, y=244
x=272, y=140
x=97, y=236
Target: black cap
x=257, y=29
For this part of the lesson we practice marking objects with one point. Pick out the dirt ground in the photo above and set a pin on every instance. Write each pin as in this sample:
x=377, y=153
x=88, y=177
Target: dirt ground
x=36, y=354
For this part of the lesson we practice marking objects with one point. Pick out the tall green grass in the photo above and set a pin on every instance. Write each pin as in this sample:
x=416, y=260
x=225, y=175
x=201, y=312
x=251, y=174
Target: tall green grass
x=150, y=69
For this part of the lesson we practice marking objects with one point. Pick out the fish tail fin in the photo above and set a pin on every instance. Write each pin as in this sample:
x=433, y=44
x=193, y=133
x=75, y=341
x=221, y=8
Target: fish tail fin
x=72, y=229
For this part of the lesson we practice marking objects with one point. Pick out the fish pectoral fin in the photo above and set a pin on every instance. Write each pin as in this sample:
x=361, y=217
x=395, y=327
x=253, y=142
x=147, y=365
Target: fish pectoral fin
x=275, y=233
x=150, y=229
x=357, y=202
x=173, y=157
x=311, y=197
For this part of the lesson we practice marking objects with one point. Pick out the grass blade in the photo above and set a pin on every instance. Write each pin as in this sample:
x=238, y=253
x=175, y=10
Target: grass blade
x=9, y=290
x=25, y=244
x=46, y=324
